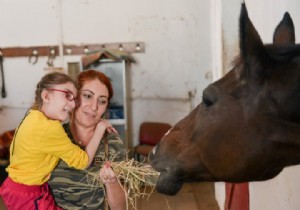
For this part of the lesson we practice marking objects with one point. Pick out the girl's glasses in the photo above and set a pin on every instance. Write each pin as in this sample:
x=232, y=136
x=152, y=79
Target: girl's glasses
x=69, y=95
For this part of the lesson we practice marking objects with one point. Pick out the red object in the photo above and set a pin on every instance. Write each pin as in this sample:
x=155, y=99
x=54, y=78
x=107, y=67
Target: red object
x=20, y=196
x=237, y=196
x=5, y=141
x=150, y=134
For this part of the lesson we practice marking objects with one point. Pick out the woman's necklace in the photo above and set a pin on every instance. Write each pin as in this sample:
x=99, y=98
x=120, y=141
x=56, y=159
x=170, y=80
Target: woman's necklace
x=79, y=142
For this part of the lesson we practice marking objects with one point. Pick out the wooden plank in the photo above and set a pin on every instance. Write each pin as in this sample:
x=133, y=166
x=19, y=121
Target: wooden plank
x=29, y=51
x=131, y=47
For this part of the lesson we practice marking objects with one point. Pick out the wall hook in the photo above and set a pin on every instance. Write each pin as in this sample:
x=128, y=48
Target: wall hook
x=51, y=57
x=138, y=47
x=86, y=49
x=35, y=56
x=121, y=47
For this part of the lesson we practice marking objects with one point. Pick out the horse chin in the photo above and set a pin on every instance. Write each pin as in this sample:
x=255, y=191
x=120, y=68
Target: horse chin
x=167, y=184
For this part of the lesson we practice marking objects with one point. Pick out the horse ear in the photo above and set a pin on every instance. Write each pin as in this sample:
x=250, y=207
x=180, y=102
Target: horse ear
x=250, y=42
x=251, y=46
x=285, y=32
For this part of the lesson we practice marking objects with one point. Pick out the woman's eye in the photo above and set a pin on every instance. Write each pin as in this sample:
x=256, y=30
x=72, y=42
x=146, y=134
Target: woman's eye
x=88, y=96
x=102, y=101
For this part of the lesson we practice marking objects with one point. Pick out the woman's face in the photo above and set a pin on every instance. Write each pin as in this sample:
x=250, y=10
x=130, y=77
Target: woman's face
x=93, y=102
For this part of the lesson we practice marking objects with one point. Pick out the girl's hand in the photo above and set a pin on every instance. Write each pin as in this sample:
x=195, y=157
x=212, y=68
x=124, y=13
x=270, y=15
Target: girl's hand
x=106, y=125
x=107, y=175
x=111, y=129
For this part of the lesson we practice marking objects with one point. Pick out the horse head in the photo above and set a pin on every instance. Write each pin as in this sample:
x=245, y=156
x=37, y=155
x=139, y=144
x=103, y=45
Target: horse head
x=247, y=127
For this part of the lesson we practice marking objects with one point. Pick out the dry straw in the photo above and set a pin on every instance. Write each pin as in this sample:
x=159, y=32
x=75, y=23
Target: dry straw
x=134, y=176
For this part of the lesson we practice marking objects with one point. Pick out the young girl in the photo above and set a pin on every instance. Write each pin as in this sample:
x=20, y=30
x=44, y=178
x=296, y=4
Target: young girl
x=40, y=141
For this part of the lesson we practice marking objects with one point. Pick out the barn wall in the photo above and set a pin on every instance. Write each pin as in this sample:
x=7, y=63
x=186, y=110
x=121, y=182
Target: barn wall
x=281, y=192
x=176, y=61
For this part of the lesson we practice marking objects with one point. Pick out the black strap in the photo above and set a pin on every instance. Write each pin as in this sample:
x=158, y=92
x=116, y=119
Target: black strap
x=17, y=129
x=106, y=152
x=3, y=91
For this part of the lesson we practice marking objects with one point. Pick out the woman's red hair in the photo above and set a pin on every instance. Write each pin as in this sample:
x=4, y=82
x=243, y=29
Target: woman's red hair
x=90, y=74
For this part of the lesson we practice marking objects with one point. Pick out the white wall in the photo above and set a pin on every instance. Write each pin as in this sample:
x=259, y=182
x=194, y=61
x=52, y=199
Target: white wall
x=175, y=62
x=281, y=192
x=24, y=23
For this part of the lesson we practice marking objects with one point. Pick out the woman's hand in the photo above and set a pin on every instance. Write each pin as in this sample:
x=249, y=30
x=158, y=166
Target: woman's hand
x=116, y=195
x=107, y=175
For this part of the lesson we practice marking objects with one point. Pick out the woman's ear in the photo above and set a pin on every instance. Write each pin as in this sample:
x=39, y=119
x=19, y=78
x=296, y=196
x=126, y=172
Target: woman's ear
x=45, y=96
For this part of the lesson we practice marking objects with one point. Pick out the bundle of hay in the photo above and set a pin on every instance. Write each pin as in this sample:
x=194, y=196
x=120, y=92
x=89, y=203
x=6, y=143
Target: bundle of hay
x=133, y=175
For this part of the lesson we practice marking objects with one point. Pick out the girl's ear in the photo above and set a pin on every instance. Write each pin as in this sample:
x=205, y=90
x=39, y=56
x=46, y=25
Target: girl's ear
x=45, y=96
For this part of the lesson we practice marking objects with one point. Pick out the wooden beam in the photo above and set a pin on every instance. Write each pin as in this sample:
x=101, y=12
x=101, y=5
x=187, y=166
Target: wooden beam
x=34, y=51
x=29, y=51
x=132, y=47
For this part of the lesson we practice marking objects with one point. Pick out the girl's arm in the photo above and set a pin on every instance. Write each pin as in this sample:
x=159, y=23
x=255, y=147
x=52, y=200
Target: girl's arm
x=92, y=146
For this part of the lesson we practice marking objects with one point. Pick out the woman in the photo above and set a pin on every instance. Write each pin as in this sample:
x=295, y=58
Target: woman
x=70, y=187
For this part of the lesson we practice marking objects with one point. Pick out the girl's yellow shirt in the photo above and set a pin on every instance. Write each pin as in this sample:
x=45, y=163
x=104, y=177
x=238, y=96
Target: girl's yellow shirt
x=37, y=146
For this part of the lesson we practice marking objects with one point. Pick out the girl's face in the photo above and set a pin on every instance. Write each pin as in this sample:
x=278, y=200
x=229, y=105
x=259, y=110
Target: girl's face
x=59, y=101
x=93, y=103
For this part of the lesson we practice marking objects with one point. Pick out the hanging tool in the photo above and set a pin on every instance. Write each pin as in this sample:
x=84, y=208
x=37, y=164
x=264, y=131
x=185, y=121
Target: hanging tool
x=3, y=91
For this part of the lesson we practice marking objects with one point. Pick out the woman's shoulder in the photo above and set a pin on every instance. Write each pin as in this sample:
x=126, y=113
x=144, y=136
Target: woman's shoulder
x=113, y=137
x=113, y=140
x=116, y=146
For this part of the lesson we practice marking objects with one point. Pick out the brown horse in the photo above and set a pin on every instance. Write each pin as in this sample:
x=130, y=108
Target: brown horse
x=247, y=127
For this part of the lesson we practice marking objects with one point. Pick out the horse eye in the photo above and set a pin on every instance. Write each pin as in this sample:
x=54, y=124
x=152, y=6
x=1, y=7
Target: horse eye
x=206, y=101
x=209, y=96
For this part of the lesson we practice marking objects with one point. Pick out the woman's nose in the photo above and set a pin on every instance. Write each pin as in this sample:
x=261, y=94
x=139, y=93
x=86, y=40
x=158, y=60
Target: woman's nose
x=94, y=104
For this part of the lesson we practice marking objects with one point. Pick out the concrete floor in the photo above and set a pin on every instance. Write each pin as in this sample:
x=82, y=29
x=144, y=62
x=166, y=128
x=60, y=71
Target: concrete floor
x=193, y=196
